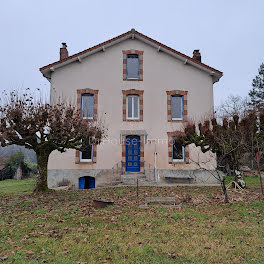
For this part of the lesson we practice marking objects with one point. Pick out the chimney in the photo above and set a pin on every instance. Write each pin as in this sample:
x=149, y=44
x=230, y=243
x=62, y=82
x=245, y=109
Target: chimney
x=63, y=51
x=197, y=55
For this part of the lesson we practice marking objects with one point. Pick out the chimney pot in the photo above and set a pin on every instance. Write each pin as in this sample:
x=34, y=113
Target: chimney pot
x=63, y=51
x=197, y=55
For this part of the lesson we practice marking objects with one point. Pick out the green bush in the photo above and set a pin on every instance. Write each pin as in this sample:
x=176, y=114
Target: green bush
x=15, y=161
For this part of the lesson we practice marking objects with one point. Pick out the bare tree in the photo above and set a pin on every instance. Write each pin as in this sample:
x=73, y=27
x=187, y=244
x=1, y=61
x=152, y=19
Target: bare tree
x=45, y=128
x=227, y=140
x=203, y=164
x=233, y=105
x=230, y=140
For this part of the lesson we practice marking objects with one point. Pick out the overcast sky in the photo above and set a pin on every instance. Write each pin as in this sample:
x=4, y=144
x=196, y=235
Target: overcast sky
x=228, y=33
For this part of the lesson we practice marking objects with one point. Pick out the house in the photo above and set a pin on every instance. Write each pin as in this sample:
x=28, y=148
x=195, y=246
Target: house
x=143, y=91
x=2, y=163
x=3, y=173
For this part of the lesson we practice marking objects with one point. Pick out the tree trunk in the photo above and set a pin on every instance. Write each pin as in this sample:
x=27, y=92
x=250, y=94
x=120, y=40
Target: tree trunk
x=224, y=190
x=260, y=177
x=42, y=161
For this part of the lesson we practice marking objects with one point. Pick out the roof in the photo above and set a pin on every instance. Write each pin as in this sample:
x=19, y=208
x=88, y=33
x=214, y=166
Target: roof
x=46, y=70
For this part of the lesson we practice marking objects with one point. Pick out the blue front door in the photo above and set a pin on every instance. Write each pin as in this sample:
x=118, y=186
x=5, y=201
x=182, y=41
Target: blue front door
x=133, y=153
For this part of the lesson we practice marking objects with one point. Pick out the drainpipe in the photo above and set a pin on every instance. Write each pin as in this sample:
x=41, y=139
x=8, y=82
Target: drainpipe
x=155, y=166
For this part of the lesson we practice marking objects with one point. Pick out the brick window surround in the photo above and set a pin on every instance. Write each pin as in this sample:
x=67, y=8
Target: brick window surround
x=88, y=91
x=142, y=140
x=132, y=92
x=176, y=92
x=140, y=54
x=79, y=95
x=170, y=142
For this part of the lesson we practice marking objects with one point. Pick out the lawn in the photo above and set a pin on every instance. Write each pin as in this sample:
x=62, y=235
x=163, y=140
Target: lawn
x=63, y=227
x=250, y=181
x=17, y=187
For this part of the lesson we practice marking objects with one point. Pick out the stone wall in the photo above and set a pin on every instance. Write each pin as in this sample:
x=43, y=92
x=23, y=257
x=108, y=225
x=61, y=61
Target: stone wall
x=104, y=177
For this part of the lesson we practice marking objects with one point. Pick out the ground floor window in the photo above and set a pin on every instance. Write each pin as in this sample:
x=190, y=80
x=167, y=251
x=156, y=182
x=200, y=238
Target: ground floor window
x=177, y=151
x=87, y=154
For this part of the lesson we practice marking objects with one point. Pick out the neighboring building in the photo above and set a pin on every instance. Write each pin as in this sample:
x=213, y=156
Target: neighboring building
x=143, y=91
x=2, y=163
x=3, y=173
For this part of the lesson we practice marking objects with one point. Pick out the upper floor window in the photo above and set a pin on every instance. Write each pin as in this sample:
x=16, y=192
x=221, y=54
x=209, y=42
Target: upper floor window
x=132, y=67
x=87, y=106
x=87, y=154
x=177, y=152
x=132, y=107
x=177, y=107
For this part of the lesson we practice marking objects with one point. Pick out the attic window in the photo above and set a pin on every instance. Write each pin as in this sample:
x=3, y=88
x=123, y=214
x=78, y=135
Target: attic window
x=132, y=66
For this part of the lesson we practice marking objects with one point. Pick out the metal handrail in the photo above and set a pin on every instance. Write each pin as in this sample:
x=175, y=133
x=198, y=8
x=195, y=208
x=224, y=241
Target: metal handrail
x=116, y=167
x=149, y=166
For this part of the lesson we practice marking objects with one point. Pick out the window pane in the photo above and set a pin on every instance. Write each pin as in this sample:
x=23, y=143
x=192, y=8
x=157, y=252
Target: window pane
x=176, y=107
x=177, y=151
x=129, y=106
x=88, y=105
x=136, y=99
x=132, y=66
x=87, y=153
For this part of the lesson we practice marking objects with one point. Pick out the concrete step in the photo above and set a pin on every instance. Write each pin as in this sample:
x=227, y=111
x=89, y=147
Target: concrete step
x=133, y=176
x=131, y=179
x=133, y=182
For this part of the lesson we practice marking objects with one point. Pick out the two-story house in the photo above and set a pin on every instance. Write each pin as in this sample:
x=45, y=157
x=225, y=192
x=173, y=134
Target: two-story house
x=142, y=91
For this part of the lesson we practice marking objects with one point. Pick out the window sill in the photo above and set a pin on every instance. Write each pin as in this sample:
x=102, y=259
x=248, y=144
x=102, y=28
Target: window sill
x=177, y=120
x=88, y=118
x=85, y=161
x=133, y=120
x=178, y=162
x=132, y=79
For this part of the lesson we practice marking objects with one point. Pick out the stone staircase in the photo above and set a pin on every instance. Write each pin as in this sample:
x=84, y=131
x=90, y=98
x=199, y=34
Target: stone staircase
x=131, y=179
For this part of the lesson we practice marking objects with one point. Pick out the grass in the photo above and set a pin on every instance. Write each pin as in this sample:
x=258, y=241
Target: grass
x=63, y=227
x=250, y=181
x=17, y=187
